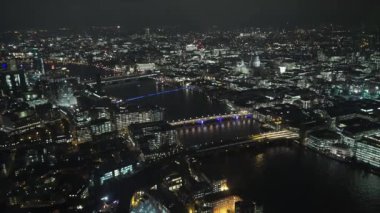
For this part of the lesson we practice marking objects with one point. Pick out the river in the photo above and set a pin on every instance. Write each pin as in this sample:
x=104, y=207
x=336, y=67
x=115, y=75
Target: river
x=283, y=179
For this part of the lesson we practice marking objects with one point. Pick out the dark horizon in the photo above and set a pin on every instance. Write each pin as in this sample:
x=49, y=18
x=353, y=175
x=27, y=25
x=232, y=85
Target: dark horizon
x=196, y=14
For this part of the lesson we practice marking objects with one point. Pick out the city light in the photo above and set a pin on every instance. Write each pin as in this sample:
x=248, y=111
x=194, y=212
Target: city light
x=199, y=110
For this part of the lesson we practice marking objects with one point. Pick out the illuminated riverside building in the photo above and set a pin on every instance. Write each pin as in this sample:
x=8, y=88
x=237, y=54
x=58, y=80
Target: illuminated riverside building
x=153, y=135
x=368, y=150
x=127, y=115
x=355, y=129
x=145, y=67
x=322, y=140
x=328, y=142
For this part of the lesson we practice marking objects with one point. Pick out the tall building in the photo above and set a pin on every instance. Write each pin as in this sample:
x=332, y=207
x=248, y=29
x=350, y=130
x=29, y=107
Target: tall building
x=42, y=66
x=12, y=79
x=255, y=61
x=147, y=33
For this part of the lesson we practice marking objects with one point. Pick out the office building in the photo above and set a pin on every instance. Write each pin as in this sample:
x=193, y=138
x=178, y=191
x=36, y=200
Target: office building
x=153, y=135
x=368, y=150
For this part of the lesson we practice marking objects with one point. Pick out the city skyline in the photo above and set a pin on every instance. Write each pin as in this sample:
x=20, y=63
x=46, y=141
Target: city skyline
x=190, y=106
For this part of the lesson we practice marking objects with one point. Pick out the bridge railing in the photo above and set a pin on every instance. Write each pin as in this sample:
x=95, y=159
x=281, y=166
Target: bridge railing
x=201, y=120
x=120, y=78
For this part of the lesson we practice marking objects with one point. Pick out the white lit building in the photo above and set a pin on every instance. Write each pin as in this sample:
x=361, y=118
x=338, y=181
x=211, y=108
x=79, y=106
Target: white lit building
x=101, y=126
x=129, y=115
x=146, y=67
x=173, y=182
x=119, y=172
x=322, y=140
x=368, y=150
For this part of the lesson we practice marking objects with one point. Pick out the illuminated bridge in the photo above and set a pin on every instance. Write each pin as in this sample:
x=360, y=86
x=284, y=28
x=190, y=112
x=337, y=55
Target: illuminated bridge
x=118, y=79
x=159, y=93
x=253, y=139
x=204, y=119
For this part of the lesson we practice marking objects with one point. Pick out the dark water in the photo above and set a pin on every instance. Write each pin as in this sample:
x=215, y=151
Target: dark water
x=179, y=105
x=283, y=179
x=290, y=179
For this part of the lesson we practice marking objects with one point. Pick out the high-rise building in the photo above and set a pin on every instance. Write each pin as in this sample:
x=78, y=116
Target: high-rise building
x=147, y=33
x=255, y=60
x=12, y=79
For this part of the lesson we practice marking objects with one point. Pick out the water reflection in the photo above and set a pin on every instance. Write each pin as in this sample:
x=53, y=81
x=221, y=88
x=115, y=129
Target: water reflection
x=180, y=105
x=226, y=129
x=289, y=179
x=283, y=179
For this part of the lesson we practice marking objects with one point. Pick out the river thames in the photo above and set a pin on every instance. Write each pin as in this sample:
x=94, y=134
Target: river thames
x=282, y=179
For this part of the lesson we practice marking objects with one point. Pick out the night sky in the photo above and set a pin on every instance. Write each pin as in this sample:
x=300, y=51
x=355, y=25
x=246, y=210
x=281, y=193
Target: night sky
x=195, y=14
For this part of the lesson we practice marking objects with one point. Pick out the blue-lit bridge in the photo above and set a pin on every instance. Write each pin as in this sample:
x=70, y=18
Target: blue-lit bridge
x=204, y=119
x=160, y=93
x=120, y=79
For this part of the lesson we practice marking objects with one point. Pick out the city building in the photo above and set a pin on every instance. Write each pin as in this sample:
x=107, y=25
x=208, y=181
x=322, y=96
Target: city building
x=173, y=182
x=368, y=150
x=126, y=115
x=19, y=122
x=145, y=67
x=153, y=135
x=352, y=130
x=143, y=202
x=322, y=140
x=101, y=126
x=12, y=78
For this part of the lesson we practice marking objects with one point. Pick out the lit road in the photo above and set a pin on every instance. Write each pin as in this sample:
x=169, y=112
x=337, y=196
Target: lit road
x=284, y=134
x=201, y=120
x=258, y=138
x=111, y=80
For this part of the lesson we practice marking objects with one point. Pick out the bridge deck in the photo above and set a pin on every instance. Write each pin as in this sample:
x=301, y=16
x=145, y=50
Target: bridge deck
x=201, y=120
x=269, y=136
